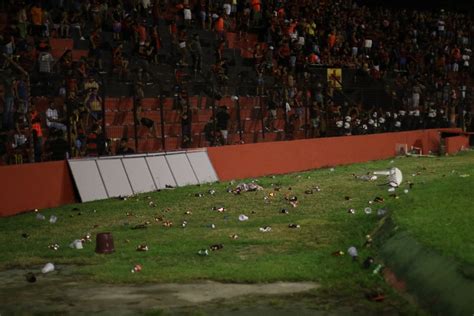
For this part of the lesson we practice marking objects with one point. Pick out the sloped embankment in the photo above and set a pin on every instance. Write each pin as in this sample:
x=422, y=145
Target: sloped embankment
x=441, y=284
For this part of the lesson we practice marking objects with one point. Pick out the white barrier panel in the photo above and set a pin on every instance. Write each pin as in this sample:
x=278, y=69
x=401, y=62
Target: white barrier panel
x=202, y=166
x=107, y=177
x=88, y=180
x=181, y=169
x=114, y=176
x=138, y=174
x=160, y=171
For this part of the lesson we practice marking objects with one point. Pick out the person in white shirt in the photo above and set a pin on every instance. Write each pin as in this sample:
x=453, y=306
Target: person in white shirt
x=52, y=118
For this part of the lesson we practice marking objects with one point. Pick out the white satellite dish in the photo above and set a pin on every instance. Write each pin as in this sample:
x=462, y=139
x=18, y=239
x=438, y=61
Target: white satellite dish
x=395, y=176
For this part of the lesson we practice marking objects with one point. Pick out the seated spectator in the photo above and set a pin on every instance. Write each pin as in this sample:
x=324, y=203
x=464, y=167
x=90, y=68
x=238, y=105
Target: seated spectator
x=222, y=118
x=53, y=119
x=123, y=148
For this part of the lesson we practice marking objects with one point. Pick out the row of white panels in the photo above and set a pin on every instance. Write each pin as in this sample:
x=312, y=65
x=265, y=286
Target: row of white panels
x=103, y=178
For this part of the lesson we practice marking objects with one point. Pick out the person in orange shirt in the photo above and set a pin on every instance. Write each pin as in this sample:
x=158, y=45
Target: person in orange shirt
x=219, y=27
x=36, y=19
x=332, y=40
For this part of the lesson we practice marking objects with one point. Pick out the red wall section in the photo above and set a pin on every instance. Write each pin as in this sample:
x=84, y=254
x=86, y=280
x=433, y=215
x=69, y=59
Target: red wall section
x=39, y=185
x=254, y=160
x=456, y=143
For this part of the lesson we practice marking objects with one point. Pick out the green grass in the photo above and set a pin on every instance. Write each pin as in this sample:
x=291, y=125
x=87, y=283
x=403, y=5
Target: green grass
x=437, y=210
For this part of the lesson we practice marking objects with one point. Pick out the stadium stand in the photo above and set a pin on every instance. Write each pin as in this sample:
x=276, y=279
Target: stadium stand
x=148, y=74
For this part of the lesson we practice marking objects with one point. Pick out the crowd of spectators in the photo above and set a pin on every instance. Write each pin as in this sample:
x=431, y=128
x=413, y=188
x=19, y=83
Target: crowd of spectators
x=422, y=57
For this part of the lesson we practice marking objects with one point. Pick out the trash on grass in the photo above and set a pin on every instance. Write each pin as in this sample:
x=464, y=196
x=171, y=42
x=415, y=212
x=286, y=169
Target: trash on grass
x=368, y=210
x=137, y=268
x=381, y=212
x=351, y=211
x=265, y=229
x=216, y=247
x=352, y=251
x=243, y=218
x=142, y=247
x=40, y=217
x=203, y=252
x=338, y=253
x=367, y=263
x=234, y=236
x=53, y=246
x=76, y=244
x=284, y=211
x=377, y=269
x=49, y=267
x=53, y=219
x=294, y=226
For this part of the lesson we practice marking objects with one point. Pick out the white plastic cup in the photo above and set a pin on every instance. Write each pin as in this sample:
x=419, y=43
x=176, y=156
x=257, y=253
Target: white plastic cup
x=53, y=219
x=352, y=251
x=243, y=218
x=367, y=210
x=49, y=267
x=76, y=244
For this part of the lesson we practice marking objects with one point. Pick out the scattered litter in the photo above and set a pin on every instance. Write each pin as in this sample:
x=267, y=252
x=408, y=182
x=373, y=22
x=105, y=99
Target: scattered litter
x=203, y=252
x=381, y=212
x=294, y=226
x=368, y=241
x=405, y=191
x=351, y=211
x=265, y=229
x=86, y=238
x=198, y=195
x=347, y=198
x=40, y=217
x=332, y=169
x=142, y=247
x=167, y=223
x=167, y=186
x=367, y=210
x=377, y=269
x=49, y=267
x=30, y=277
x=379, y=199
x=123, y=198
x=243, y=218
x=391, y=190
x=53, y=219
x=137, y=268
x=151, y=204
x=309, y=191
x=367, y=263
x=76, y=244
x=188, y=213
x=234, y=236
x=211, y=191
x=53, y=246
x=247, y=187
x=284, y=211
x=216, y=247
x=338, y=253
x=366, y=177
x=352, y=251
x=130, y=214
x=220, y=209
x=464, y=175
x=184, y=224
x=212, y=226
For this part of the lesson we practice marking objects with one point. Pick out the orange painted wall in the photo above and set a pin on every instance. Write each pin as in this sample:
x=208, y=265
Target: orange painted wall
x=254, y=160
x=456, y=143
x=39, y=185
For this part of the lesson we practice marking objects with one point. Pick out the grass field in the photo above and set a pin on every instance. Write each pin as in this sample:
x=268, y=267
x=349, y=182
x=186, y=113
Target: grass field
x=438, y=210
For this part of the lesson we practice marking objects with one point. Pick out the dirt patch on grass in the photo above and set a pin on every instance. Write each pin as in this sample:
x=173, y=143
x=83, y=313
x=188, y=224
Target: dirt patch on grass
x=61, y=291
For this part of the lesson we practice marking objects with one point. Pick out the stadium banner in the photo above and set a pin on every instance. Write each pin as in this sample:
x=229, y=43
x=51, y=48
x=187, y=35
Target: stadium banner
x=334, y=76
